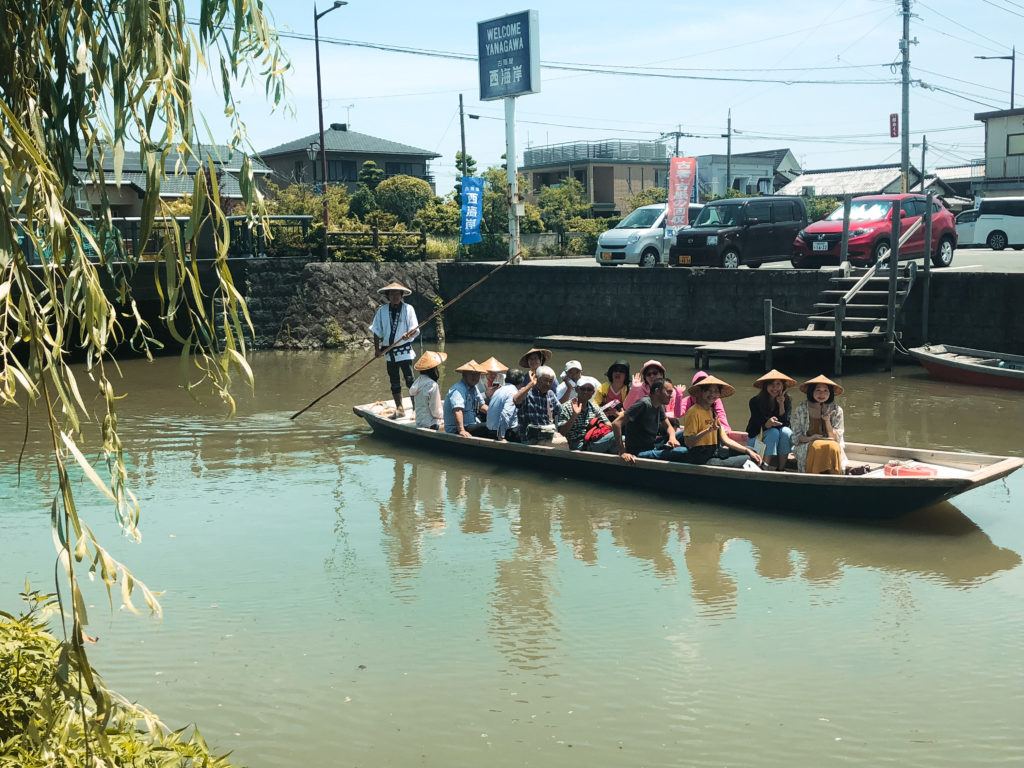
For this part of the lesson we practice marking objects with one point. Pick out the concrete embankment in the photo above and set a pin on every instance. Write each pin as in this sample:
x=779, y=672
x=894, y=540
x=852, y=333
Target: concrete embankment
x=299, y=304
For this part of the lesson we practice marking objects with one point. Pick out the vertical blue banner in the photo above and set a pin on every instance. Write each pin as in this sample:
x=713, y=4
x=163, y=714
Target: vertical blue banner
x=472, y=209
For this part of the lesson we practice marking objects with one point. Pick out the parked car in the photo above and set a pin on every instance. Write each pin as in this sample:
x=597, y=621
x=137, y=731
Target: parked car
x=871, y=232
x=997, y=222
x=641, y=238
x=744, y=230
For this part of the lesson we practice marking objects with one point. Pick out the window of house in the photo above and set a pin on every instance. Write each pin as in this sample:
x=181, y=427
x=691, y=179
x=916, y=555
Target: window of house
x=341, y=170
x=1015, y=144
x=297, y=173
x=407, y=169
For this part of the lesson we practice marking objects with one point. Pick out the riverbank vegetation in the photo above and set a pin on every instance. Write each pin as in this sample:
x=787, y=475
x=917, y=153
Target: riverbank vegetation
x=93, y=79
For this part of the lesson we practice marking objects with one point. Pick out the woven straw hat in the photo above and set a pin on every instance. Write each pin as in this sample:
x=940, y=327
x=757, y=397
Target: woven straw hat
x=774, y=375
x=430, y=360
x=544, y=353
x=493, y=365
x=822, y=379
x=728, y=390
x=471, y=367
x=394, y=285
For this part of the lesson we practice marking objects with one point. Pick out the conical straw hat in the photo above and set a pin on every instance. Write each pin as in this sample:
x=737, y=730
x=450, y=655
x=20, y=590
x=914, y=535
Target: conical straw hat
x=493, y=365
x=544, y=353
x=728, y=390
x=774, y=375
x=394, y=285
x=430, y=360
x=822, y=379
x=471, y=367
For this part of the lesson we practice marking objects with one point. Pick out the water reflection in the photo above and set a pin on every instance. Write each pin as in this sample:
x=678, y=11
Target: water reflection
x=940, y=545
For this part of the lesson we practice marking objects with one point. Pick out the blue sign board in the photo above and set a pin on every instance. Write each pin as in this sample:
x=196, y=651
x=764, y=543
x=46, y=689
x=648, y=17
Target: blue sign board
x=508, y=51
x=472, y=209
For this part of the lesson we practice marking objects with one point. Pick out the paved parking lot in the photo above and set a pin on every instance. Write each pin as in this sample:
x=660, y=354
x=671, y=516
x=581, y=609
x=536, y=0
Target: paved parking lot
x=964, y=260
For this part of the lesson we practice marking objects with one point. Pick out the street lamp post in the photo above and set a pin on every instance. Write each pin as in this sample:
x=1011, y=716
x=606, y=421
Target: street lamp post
x=1012, y=58
x=320, y=112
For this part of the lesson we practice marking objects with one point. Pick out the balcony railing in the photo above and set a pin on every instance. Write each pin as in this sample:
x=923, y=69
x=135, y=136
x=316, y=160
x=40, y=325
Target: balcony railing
x=580, y=151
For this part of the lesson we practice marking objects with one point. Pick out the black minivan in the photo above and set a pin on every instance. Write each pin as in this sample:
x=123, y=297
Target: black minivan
x=741, y=230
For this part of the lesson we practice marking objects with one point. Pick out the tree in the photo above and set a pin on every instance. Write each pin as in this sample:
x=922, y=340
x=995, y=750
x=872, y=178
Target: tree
x=91, y=76
x=439, y=217
x=561, y=202
x=371, y=175
x=300, y=200
x=648, y=196
x=820, y=207
x=362, y=202
x=470, y=169
x=403, y=196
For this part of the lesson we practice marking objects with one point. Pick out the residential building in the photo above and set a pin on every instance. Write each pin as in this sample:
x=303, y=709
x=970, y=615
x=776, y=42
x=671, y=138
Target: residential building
x=963, y=178
x=753, y=173
x=1004, y=153
x=610, y=171
x=856, y=180
x=299, y=162
x=126, y=197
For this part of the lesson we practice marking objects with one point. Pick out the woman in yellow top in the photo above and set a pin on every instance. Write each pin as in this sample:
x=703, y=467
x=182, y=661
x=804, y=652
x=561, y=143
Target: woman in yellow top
x=616, y=388
x=706, y=441
x=818, y=428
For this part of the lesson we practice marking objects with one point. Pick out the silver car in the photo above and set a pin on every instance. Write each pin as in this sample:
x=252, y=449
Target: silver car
x=641, y=238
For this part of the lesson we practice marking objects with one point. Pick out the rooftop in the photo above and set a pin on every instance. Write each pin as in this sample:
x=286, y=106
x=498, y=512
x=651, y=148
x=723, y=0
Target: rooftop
x=339, y=139
x=228, y=159
x=839, y=181
x=612, y=150
x=961, y=172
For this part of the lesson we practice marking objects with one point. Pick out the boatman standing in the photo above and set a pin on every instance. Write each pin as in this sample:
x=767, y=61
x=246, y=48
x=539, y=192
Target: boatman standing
x=396, y=322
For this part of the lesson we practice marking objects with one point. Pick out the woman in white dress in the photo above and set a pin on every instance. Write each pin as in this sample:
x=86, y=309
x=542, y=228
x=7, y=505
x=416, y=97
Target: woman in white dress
x=425, y=393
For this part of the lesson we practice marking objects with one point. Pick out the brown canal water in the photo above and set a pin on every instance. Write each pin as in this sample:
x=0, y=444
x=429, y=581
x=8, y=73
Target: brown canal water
x=334, y=599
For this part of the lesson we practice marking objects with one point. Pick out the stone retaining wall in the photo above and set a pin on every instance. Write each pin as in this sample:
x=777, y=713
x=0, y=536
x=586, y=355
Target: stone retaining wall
x=300, y=305
x=295, y=304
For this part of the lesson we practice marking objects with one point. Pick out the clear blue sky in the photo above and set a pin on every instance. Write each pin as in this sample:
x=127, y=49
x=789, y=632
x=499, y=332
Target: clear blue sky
x=414, y=99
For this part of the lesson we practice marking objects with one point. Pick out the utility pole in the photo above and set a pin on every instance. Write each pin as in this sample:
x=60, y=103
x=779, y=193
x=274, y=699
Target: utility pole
x=924, y=149
x=728, y=153
x=320, y=113
x=462, y=129
x=905, y=142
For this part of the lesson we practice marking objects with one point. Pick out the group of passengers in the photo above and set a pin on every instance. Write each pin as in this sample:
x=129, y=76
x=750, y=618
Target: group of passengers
x=645, y=416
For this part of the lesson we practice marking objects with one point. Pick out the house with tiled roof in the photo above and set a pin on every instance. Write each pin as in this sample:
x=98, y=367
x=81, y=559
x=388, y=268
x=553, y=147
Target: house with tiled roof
x=126, y=195
x=298, y=161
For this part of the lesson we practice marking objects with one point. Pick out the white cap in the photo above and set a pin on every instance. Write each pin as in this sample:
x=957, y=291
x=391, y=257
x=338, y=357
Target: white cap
x=570, y=365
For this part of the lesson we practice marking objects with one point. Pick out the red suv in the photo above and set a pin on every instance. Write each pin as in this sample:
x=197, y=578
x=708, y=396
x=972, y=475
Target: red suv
x=870, y=231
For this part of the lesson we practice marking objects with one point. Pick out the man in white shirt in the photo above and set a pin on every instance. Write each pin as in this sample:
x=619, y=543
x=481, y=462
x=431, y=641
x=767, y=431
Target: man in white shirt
x=396, y=322
x=502, y=412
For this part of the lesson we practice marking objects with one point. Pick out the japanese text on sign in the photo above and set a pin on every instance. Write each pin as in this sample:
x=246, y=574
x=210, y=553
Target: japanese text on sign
x=508, y=54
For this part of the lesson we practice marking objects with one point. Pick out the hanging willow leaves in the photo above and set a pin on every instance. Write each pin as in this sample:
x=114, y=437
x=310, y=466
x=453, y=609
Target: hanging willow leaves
x=81, y=81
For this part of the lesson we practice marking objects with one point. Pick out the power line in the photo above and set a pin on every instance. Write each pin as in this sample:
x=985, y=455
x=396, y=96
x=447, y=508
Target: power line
x=961, y=39
x=576, y=67
x=1003, y=8
x=966, y=82
x=961, y=25
x=959, y=94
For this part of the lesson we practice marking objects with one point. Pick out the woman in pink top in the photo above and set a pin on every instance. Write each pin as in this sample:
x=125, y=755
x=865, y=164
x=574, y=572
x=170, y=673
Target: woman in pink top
x=641, y=388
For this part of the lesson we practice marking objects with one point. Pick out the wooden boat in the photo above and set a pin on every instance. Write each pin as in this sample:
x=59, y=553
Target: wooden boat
x=971, y=366
x=870, y=496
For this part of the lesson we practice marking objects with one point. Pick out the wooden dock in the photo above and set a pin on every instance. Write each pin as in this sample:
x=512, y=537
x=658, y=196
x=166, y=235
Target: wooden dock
x=750, y=349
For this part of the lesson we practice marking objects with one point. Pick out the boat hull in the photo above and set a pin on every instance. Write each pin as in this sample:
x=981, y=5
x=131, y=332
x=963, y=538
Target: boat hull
x=945, y=368
x=863, y=498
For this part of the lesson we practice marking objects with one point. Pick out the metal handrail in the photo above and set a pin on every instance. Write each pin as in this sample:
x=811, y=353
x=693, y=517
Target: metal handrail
x=874, y=267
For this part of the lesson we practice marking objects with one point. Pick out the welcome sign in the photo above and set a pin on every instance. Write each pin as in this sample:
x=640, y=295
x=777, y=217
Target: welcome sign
x=508, y=52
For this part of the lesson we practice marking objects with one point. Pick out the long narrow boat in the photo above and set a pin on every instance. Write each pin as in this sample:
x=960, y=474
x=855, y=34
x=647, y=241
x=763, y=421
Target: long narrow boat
x=870, y=496
x=971, y=366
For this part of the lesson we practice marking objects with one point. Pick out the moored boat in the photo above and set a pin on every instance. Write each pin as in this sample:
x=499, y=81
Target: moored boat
x=869, y=496
x=964, y=365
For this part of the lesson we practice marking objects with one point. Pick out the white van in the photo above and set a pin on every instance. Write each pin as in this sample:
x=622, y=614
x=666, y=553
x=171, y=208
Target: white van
x=641, y=238
x=997, y=222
